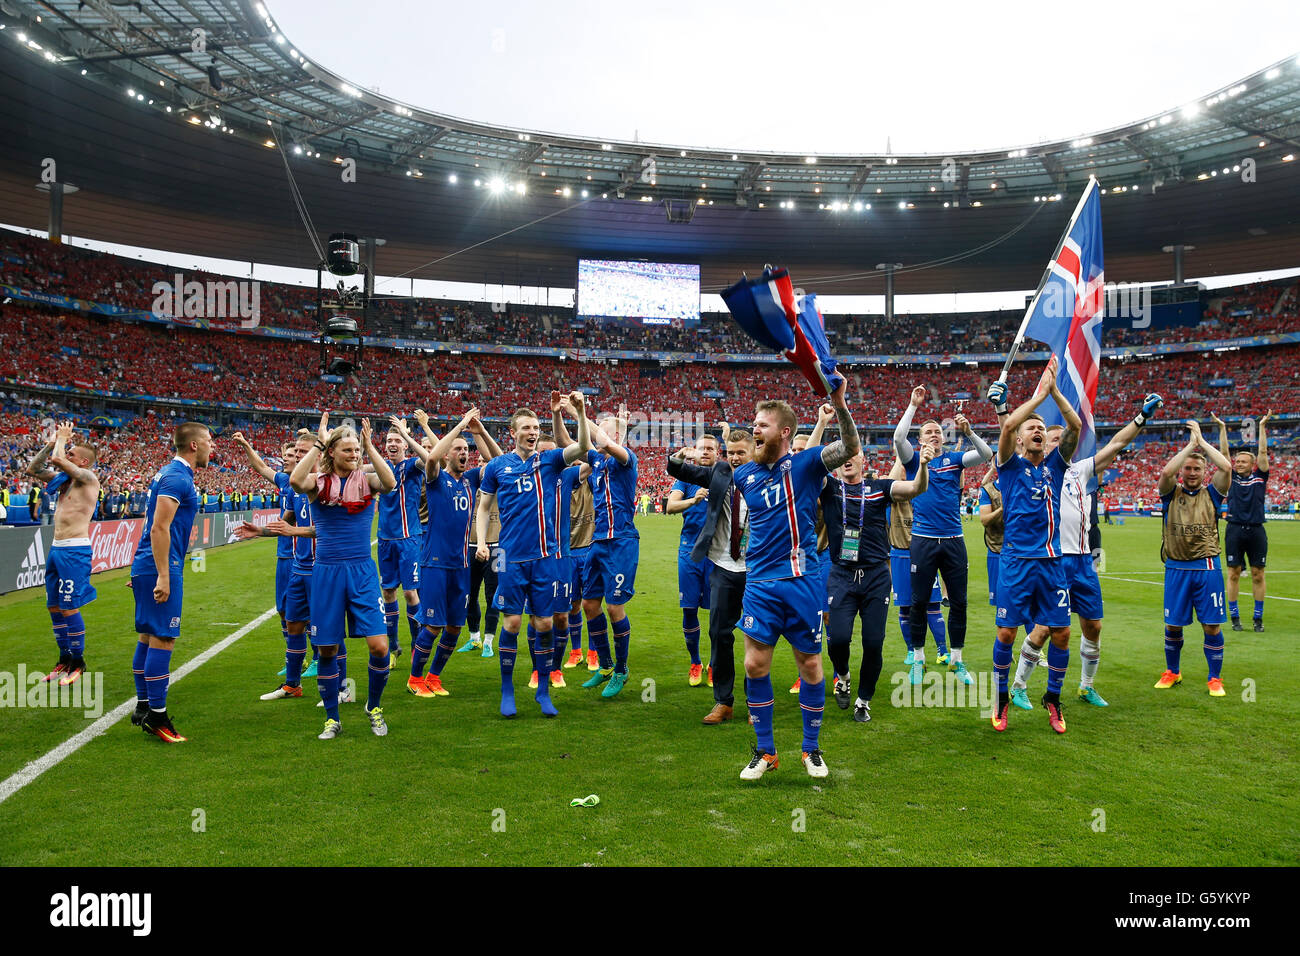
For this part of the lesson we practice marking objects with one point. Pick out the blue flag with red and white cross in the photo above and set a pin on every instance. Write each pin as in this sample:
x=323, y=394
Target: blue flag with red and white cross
x=1066, y=315
x=775, y=317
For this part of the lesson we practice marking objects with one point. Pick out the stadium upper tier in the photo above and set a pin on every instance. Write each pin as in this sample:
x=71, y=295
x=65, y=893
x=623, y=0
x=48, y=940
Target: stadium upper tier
x=34, y=265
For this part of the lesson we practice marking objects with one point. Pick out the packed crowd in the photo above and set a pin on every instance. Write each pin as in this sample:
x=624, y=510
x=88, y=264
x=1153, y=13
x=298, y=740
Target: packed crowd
x=35, y=264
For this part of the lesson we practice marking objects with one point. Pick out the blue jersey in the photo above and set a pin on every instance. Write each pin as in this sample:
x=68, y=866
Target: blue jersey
x=451, y=513
x=936, y=512
x=283, y=545
x=304, y=548
x=1246, y=498
x=55, y=485
x=342, y=538
x=525, y=493
x=782, y=502
x=564, y=486
x=613, y=486
x=399, y=510
x=1031, y=505
x=692, y=518
x=174, y=480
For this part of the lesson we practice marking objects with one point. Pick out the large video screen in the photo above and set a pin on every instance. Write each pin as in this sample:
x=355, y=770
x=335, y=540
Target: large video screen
x=656, y=293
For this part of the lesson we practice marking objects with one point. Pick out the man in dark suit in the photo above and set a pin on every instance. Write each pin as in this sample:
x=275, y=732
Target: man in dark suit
x=722, y=541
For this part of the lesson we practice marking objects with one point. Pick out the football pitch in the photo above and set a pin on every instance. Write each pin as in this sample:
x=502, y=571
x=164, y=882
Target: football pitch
x=1157, y=778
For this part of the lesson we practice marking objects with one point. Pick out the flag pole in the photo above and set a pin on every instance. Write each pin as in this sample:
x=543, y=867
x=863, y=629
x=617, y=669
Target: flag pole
x=1029, y=311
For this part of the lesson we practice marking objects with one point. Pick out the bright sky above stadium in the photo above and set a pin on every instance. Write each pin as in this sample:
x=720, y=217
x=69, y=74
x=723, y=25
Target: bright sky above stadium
x=809, y=76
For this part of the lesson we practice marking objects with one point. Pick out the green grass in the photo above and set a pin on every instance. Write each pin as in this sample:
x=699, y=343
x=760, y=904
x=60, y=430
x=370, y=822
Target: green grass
x=1182, y=778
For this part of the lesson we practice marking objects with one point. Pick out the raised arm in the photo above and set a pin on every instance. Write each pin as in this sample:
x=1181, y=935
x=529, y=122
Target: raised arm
x=1261, y=460
x=902, y=490
x=38, y=467
x=579, y=449
x=1222, y=479
x=58, y=458
x=254, y=459
x=824, y=416
x=1126, y=434
x=1010, y=424
x=440, y=449
x=1223, y=433
x=484, y=442
x=679, y=467
x=382, y=480
x=725, y=428
x=838, y=452
x=560, y=431
x=902, y=443
x=301, y=478
x=1073, y=423
x=1171, y=469
x=981, y=452
x=417, y=449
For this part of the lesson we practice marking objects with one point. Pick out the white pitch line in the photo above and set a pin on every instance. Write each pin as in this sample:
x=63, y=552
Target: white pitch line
x=1113, y=577
x=29, y=773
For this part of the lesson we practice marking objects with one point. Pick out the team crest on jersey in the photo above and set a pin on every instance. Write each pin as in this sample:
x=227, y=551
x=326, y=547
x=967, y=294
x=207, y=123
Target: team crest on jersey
x=749, y=622
x=785, y=465
x=1028, y=473
x=176, y=622
x=749, y=480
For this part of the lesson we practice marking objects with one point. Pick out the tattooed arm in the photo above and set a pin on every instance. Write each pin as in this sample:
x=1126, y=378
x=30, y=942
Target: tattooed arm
x=838, y=452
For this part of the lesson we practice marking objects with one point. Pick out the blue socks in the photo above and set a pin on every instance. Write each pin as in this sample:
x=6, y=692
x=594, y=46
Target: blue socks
x=60, y=633
x=532, y=645
x=691, y=630
x=342, y=658
x=759, y=699
x=561, y=638
x=1232, y=609
x=379, y=664
x=905, y=624
x=544, y=654
x=1259, y=611
x=598, y=639
x=327, y=682
x=295, y=653
x=1058, y=661
x=137, y=671
x=1173, y=648
x=575, y=631
x=413, y=615
x=507, y=647
x=1214, y=653
x=1002, y=664
x=622, y=640
x=934, y=616
x=390, y=620
x=450, y=635
x=157, y=675
x=421, y=648
x=76, y=635
x=812, y=703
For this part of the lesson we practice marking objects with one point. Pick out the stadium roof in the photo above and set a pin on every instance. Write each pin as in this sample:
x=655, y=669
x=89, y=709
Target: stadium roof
x=112, y=86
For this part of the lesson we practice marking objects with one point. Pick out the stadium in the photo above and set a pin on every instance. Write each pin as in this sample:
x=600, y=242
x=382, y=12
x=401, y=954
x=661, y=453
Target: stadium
x=202, y=223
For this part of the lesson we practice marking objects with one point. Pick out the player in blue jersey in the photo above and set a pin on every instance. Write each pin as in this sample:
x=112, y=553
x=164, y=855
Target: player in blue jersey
x=449, y=489
x=523, y=486
x=400, y=531
x=854, y=508
x=74, y=483
x=691, y=502
x=1032, y=587
x=582, y=526
x=938, y=543
x=781, y=586
x=345, y=594
x=284, y=546
x=615, y=553
x=156, y=579
x=1246, y=540
x=1190, y=551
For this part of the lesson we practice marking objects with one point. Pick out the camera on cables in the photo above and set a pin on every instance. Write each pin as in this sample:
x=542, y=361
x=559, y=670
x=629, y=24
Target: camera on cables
x=343, y=310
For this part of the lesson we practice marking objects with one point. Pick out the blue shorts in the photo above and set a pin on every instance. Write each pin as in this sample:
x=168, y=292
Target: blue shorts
x=1200, y=588
x=991, y=563
x=564, y=575
x=692, y=581
x=345, y=599
x=900, y=570
x=532, y=587
x=788, y=608
x=444, y=595
x=1085, y=587
x=399, y=563
x=160, y=620
x=612, y=571
x=67, y=578
x=283, y=574
x=581, y=563
x=1032, y=591
x=297, y=598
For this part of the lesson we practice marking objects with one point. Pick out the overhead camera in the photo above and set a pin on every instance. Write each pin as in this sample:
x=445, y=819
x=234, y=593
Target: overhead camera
x=342, y=311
